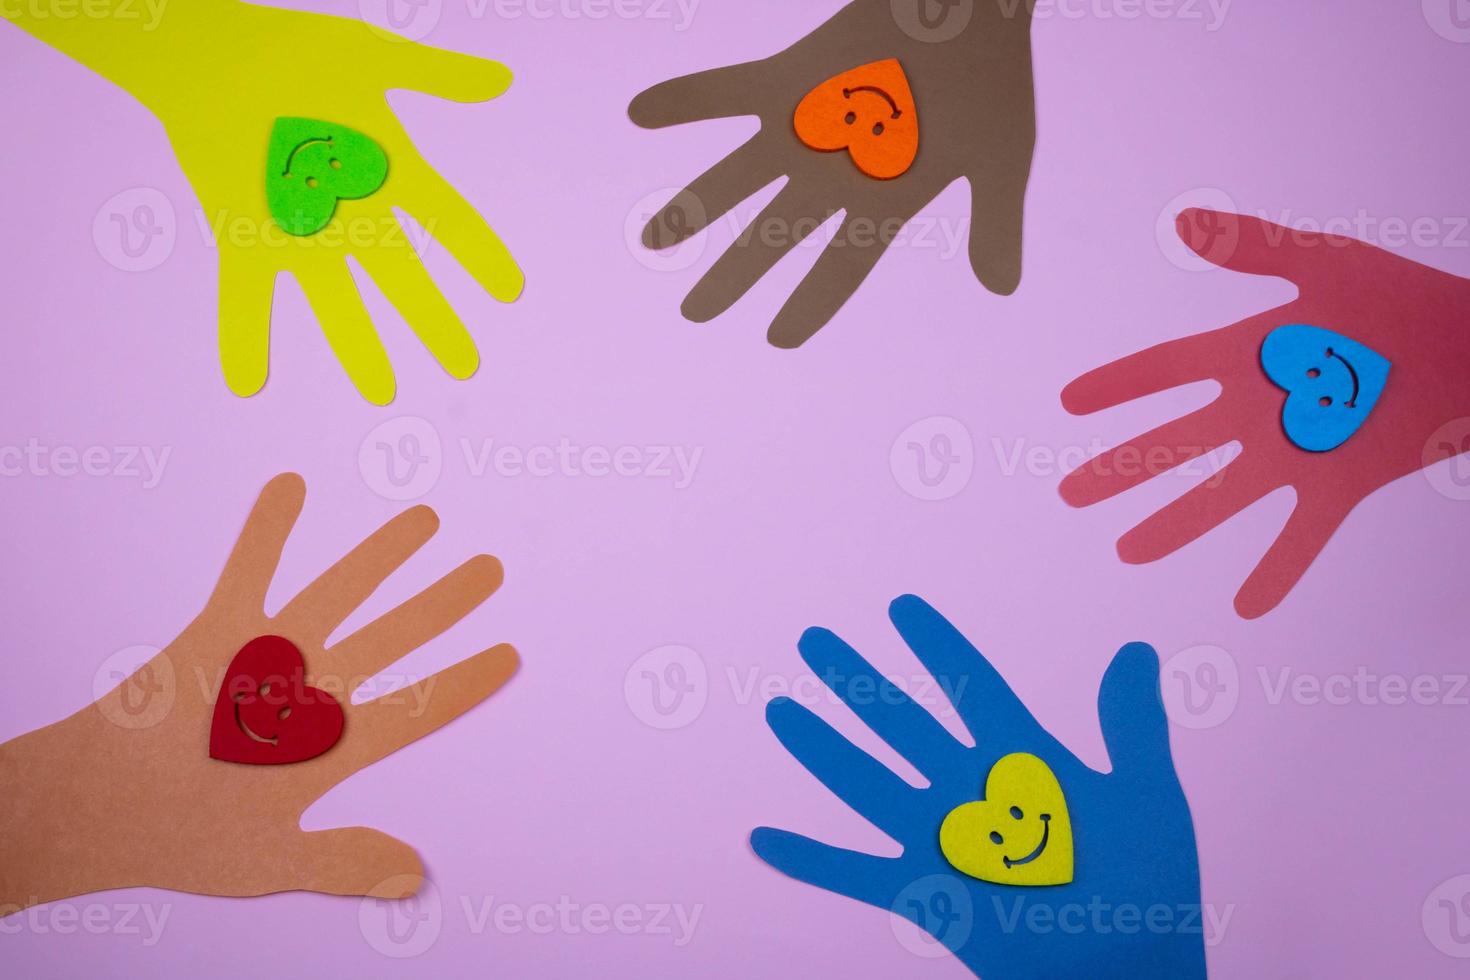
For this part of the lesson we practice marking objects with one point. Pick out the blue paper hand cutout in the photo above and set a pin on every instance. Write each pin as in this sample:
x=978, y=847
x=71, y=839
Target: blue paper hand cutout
x=1332, y=383
x=1132, y=909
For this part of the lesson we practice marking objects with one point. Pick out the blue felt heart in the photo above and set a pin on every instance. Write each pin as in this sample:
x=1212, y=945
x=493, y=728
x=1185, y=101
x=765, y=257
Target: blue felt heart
x=1332, y=383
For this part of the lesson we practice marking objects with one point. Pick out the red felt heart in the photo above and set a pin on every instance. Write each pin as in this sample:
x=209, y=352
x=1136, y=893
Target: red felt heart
x=266, y=714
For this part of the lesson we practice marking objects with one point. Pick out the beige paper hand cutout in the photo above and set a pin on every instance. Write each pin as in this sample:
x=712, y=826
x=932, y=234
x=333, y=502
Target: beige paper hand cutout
x=124, y=792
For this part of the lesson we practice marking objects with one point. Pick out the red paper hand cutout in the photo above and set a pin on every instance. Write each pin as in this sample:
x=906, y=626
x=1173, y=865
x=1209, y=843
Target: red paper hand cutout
x=266, y=713
x=1417, y=317
x=869, y=112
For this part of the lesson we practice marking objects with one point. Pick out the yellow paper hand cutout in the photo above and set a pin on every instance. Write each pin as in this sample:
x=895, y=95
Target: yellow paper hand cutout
x=220, y=74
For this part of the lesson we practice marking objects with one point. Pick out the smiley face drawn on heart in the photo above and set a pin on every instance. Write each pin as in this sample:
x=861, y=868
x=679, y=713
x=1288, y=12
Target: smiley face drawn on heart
x=868, y=111
x=266, y=714
x=1019, y=834
x=1332, y=383
x=311, y=165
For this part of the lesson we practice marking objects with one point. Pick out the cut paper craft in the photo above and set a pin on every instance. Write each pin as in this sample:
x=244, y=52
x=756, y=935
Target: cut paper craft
x=123, y=793
x=266, y=714
x=857, y=83
x=1332, y=383
x=311, y=165
x=243, y=86
x=869, y=112
x=1134, y=839
x=1019, y=834
x=1383, y=310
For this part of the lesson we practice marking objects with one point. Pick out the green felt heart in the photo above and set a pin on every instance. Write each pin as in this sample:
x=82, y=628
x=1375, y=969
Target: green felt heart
x=311, y=165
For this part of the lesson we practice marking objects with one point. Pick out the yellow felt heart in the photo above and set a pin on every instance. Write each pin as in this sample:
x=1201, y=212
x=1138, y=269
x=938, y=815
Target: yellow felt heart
x=1019, y=834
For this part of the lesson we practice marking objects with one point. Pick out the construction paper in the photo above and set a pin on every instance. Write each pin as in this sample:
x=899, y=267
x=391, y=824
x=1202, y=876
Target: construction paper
x=220, y=74
x=1404, y=313
x=869, y=112
x=1019, y=833
x=1332, y=383
x=311, y=165
x=113, y=797
x=266, y=714
x=974, y=88
x=1131, y=828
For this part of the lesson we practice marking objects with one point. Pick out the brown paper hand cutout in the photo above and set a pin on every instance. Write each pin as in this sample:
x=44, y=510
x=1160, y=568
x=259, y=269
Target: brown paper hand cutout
x=124, y=792
x=970, y=77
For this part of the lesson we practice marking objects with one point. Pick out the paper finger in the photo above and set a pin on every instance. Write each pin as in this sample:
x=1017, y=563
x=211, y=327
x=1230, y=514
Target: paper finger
x=245, y=294
x=865, y=877
x=794, y=213
x=428, y=614
x=855, y=777
x=338, y=306
x=712, y=94
x=712, y=194
x=1130, y=709
x=448, y=217
x=841, y=268
x=386, y=724
x=1142, y=458
x=349, y=861
x=1307, y=532
x=406, y=283
x=320, y=608
x=447, y=74
x=257, y=553
x=1241, y=483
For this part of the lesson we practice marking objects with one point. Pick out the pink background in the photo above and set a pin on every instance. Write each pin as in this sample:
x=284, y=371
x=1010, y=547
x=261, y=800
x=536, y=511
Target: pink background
x=1323, y=829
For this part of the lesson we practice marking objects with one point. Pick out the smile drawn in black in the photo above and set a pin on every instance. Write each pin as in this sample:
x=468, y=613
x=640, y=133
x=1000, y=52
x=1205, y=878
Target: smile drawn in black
x=847, y=94
x=1045, y=835
x=1353, y=401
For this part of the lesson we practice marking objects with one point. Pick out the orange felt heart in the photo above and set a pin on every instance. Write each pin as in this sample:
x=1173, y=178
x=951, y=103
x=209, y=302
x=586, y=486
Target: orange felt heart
x=868, y=111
